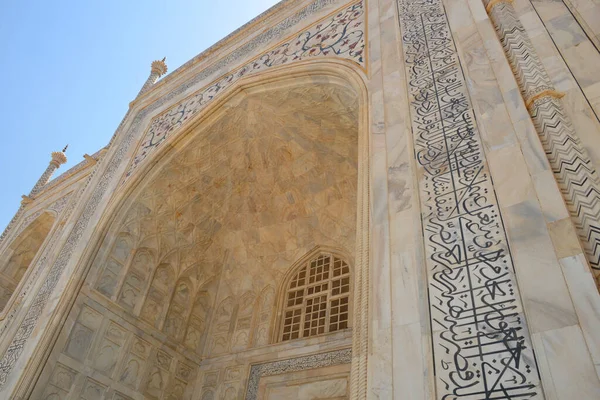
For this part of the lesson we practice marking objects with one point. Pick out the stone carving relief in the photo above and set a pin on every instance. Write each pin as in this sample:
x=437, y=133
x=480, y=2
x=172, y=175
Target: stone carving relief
x=60, y=383
x=265, y=305
x=169, y=246
x=244, y=322
x=573, y=169
x=223, y=383
x=93, y=390
x=221, y=327
x=107, y=284
x=155, y=306
x=481, y=344
x=55, y=270
x=130, y=296
x=118, y=356
x=178, y=308
x=18, y=256
x=198, y=323
x=294, y=364
x=135, y=362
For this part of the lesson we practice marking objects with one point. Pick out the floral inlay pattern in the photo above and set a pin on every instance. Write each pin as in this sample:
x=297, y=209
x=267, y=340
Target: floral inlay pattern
x=341, y=35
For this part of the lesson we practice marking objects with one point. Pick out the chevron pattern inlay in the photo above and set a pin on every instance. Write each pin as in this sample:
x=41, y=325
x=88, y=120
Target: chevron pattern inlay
x=573, y=170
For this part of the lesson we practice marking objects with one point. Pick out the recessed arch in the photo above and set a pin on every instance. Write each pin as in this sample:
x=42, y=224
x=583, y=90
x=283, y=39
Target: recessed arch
x=19, y=255
x=125, y=200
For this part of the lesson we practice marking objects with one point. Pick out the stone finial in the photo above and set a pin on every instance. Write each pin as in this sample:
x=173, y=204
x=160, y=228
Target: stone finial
x=58, y=158
x=159, y=67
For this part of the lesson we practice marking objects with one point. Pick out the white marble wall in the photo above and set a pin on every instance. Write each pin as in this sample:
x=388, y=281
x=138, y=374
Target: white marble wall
x=560, y=301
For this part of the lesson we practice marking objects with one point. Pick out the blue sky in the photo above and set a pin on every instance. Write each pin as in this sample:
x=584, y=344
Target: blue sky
x=70, y=69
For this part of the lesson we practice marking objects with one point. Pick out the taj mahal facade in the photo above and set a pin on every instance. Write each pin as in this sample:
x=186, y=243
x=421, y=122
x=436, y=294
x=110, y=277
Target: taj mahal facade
x=391, y=199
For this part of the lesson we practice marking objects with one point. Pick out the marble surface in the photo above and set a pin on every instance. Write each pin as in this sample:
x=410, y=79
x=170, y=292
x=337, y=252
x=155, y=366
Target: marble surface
x=174, y=289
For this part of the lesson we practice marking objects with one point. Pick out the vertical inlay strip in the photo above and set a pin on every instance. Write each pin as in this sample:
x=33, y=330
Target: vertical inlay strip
x=481, y=343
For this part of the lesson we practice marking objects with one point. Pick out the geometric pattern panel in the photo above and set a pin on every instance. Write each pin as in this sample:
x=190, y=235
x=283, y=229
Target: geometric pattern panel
x=481, y=344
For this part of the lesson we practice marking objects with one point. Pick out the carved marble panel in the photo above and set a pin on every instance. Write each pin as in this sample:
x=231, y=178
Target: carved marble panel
x=93, y=390
x=133, y=366
x=83, y=333
x=296, y=364
x=108, y=351
x=265, y=309
x=60, y=383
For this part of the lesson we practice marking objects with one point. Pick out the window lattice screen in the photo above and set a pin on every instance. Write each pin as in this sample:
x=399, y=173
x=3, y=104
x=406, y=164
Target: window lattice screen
x=317, y=299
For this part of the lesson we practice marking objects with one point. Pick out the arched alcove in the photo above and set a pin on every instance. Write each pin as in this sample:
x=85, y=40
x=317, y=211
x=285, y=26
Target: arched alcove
x=199, y=241
x=20, y=253
x=268, y=178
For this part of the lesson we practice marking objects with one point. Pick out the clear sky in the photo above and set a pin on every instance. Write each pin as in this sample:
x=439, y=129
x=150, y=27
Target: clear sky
x=70, y=69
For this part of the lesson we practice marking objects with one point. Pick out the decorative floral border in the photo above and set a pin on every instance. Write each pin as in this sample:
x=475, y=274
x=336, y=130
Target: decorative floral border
x=341, y=35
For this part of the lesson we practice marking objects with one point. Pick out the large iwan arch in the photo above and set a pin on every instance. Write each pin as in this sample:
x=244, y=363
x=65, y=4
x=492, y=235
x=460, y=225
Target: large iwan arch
x=432, y=154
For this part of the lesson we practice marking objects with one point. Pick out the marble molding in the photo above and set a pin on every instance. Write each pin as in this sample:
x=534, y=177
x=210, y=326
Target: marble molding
x=294, y=364
x=573, y=169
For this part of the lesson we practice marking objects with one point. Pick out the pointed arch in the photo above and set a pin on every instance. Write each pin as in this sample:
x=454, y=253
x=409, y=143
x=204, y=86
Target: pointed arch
x=137, y=277
x=178, y=309
x=156, y=302
x=115, y=264
x=19, y=255
x=118, y=202
x=264, y=316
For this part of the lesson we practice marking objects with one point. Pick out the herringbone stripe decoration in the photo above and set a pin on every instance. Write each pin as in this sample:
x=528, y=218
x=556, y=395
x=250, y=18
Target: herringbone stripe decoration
x=573, y=170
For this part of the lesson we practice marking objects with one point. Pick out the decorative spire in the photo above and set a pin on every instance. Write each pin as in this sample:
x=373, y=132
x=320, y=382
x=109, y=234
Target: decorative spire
x=58, y=159
x=157, y=69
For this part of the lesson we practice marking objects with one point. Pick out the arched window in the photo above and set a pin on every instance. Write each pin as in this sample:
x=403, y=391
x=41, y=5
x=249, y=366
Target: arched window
x=317, y=298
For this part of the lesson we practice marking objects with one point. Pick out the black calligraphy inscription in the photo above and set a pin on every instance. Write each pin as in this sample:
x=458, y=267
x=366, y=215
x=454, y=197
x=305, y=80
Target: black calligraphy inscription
x=481, y=343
